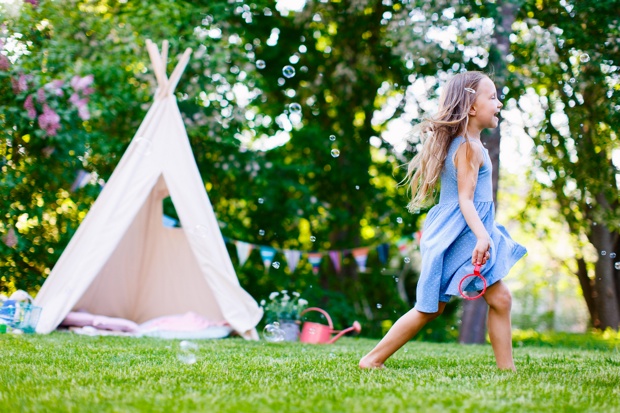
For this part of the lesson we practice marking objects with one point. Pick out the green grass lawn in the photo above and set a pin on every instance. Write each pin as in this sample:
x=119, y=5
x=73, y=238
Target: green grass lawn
x=66, y=372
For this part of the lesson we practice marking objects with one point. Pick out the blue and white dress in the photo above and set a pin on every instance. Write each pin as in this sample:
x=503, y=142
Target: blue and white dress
x=447, y=241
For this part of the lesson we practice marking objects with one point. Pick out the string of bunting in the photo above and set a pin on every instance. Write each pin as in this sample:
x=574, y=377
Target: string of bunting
x=360, y=254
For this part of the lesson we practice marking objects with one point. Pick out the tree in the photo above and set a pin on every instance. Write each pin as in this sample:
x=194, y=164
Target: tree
x=566, y=65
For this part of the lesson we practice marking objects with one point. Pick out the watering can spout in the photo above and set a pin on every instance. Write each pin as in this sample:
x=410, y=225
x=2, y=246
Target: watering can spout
x=357, y=327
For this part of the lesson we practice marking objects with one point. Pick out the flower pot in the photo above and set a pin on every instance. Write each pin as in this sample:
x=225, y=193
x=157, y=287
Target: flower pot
x=291, y=329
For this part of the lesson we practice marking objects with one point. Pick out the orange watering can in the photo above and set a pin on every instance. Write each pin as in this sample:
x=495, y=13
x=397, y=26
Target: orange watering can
x=316, y=333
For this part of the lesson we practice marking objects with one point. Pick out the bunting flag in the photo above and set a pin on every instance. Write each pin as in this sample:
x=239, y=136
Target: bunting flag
x=292, y=259
x=336, y=257
x=315, y=260
x=402, y=245
x=383, y=250
x=243, y=251
x=81, y=180
x=360, y=255
x=267, y=254
x=169, y=222
x=418, y=237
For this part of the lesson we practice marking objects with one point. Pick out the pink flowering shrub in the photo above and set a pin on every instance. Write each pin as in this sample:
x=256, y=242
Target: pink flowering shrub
x=5, y=63
x=49, y=121
x=52, y=104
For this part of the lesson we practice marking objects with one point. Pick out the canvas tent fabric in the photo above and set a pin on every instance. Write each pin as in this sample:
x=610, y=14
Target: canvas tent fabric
x=123, y=262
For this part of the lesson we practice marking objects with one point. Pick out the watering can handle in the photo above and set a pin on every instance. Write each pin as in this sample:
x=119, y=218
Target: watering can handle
x=320, y=310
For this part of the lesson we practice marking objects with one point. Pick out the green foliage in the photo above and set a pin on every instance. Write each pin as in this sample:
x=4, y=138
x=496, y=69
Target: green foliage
x=266, y=162
x=48, y=373
x=565, y=66
x=344, y=201
x=593, y=340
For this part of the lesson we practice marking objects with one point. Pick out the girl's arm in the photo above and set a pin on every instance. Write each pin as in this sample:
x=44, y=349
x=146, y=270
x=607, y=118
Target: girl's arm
x=466, y=179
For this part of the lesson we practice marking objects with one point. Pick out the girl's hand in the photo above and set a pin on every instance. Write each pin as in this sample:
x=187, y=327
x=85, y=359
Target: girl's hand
x=481, y=252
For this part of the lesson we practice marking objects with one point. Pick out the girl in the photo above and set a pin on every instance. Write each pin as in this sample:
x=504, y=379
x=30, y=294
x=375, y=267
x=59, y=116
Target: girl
x=462, y=221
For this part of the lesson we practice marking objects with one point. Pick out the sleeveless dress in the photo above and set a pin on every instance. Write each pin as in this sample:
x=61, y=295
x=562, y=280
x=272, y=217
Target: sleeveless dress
x=447, y=241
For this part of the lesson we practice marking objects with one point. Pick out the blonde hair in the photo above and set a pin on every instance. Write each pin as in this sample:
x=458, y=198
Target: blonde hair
x=436, y=135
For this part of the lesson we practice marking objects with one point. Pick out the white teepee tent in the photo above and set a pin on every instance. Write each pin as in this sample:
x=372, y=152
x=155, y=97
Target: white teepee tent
x=122, y=261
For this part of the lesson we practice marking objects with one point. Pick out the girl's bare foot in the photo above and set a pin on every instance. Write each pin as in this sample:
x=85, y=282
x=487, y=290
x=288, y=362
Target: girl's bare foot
x=367, y=363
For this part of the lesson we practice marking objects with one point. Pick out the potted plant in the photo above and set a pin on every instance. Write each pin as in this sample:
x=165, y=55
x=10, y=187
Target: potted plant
x=285, y=309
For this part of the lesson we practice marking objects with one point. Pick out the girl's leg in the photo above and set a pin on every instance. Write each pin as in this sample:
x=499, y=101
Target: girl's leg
x=500, y=301
x=402, y=331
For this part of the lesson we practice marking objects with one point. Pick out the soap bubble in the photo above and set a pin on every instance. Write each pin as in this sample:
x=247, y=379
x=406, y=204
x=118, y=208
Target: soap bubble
x=189, y=358
x=335, y=153
x=294, y=108
x=357, y=187
x=288, y=71
x=407, y=260
x=603, y=252
x=261, y=232
x=276, y=265
x=273, y=333
x=312, y=238
x=617, y=265
x=188, y=346
x=612, y=255
x=399, y=220
x=261, y=200
x=379, y=305
x=186, y=354
x=584, y=58
x=260, y=64
x=332, y=137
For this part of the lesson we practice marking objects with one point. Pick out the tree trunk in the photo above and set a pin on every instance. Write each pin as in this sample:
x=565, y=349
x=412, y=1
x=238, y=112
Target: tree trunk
x=605, y=295
x=473, y=325
x=615, y=259
x=473, y=322
x=586, y=289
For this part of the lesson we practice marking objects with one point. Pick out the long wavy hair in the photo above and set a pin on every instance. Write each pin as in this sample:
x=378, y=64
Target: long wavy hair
x=436, y=135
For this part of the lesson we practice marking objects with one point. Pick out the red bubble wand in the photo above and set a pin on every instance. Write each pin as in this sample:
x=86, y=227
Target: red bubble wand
x=476, y=273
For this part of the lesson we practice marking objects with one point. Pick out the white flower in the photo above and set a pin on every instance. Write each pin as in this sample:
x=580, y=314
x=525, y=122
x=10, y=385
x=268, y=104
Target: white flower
x=273, y=295
x=262, y=303
x=296, y=294
x=302, y=302
x=284, y=291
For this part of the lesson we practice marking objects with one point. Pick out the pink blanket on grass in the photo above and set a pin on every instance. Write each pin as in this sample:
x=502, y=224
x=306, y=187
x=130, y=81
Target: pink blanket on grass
x=189, y=321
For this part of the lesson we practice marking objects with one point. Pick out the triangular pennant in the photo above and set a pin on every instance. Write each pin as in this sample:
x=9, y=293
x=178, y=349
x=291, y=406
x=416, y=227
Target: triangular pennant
x=418, y=237
x=315, y=260
x=267, y=254
x=361, y=255
x=402, y=245
x=169, y=222
x=81, y=180
x=336, y=257
x=383, y=250
x=292, y=259
x=243, y=251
